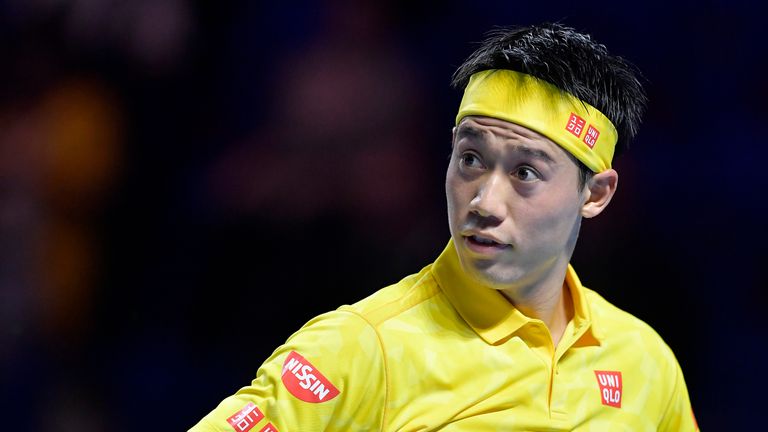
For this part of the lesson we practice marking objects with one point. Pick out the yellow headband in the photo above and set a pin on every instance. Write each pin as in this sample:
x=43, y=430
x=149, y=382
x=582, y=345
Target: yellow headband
x=519, y=98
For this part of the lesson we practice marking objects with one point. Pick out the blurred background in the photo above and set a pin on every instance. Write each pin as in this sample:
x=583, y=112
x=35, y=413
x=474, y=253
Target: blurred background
x=184, y=184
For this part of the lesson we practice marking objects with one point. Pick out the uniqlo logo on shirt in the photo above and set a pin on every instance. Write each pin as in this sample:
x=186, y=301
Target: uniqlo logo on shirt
x=305, y=382
x=269, y=428
x=610, y=387
x=591, y=137
x=245, y=419
x=575, y=125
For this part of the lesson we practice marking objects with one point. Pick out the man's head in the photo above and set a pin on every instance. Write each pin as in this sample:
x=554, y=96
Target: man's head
x=573, y=62
x=520, y=178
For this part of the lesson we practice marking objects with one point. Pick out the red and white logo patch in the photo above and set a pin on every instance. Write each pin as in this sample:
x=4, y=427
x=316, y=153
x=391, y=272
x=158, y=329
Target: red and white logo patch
x=610, y=387
x=575, y=125
x=269, y=428
x=306, y=382
x=245, y=419
x=591, y=137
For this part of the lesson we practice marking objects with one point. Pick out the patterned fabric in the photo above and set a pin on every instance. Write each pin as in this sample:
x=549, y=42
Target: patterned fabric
x=437, y=351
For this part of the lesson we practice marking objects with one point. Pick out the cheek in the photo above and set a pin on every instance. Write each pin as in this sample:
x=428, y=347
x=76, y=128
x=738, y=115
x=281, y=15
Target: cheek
x=450, y=194
x=556, y=222
x=455, y=191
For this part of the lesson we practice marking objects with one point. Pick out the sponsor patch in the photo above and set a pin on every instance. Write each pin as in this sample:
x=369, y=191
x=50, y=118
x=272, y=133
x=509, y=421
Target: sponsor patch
x=610, y=387
x=306, y=382
x=575, y=125
x=591, y=137
x=245, y=419
x=269, y=428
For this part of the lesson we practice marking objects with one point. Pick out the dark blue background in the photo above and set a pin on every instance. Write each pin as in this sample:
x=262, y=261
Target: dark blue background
x=267, y=163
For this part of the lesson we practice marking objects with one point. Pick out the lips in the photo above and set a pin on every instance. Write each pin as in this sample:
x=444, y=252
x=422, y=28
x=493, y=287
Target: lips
x=484, y=241
x=484, y=244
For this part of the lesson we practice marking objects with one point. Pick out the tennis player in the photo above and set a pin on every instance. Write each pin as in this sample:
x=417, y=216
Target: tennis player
x=498, y=333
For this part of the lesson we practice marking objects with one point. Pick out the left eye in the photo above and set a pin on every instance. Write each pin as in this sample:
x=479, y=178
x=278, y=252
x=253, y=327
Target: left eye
x=525, y=173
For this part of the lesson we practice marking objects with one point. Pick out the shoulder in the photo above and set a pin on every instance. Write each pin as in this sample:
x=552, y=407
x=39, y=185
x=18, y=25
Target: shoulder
x=353, y=330
x=393, y=300
x=648, y=367
x=621, y=328
x=331, y=374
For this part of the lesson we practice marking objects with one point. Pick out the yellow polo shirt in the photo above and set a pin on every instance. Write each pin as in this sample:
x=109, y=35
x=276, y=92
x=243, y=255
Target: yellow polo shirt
x=437, y=351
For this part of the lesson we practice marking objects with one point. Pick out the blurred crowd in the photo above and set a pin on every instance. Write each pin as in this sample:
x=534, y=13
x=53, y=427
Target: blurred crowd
x=184, y=184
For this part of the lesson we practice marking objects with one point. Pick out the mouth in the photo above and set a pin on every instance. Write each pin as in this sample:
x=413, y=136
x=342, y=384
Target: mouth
x=484, y=245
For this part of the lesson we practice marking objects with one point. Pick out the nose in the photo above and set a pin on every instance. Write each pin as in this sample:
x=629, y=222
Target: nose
x=490, y=199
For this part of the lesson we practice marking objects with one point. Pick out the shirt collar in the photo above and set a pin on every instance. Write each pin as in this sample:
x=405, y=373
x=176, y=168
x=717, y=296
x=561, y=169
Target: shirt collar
x=487, y=311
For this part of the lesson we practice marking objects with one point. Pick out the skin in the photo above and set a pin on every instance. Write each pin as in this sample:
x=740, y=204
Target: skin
x=513, y=186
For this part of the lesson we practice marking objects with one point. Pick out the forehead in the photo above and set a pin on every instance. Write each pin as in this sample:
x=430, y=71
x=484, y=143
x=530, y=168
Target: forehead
x=479, y=129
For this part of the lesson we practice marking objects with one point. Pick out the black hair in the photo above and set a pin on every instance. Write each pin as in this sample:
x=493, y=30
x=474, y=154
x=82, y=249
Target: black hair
x=572, y=62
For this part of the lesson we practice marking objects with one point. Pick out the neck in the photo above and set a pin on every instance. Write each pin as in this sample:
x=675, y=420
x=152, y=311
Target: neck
x=548, y=299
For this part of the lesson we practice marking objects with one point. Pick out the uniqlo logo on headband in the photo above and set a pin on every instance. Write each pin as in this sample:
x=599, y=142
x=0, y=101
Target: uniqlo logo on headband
x=575, y=125
x=269, y=428
x=245, y=419
x=591, y=137
x=610, y=387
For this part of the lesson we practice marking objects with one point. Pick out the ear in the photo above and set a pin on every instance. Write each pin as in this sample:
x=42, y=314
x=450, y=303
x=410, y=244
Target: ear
x=599, y=191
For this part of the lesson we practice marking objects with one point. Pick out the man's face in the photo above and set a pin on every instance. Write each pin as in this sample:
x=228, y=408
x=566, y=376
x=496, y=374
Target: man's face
x=513, y=202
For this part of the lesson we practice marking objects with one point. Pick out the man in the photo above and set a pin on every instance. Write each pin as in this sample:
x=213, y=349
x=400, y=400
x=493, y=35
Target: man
x=498, y=333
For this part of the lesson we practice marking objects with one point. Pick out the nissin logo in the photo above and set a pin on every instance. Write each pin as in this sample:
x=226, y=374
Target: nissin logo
x=306, y=382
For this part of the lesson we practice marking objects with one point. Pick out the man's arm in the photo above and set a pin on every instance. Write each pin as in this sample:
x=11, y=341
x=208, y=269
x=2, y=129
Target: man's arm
x=328, y=376
x=679, y=413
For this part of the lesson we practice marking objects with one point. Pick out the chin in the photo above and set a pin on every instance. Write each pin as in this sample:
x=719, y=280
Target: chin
x=494, y=276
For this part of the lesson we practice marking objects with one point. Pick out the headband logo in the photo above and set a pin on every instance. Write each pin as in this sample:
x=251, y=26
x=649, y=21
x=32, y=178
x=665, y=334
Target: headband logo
x=575, y=125
x=591, y=137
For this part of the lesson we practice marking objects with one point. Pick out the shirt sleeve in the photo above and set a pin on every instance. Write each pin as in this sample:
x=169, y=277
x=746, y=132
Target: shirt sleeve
x=328, y=376
x=679, y=413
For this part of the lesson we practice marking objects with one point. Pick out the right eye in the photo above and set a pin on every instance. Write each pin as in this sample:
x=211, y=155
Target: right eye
x=471, y=160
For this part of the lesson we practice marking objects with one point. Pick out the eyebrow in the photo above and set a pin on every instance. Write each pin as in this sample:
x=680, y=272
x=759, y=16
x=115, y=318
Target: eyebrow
x=476, y=134
x=468, y=132
x=535, y=153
